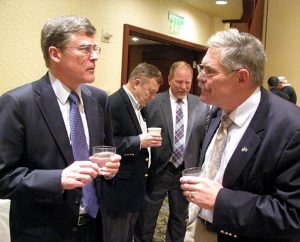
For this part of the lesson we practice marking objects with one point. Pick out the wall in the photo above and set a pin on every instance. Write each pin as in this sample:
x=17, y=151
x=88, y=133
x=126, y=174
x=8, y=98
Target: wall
x=282, y=41
x=21, y=21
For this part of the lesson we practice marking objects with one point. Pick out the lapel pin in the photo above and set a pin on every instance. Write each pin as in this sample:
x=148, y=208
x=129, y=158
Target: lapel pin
x=244, y=149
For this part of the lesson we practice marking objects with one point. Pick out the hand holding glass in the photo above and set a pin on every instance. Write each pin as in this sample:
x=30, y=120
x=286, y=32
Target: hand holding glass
x=103, y=154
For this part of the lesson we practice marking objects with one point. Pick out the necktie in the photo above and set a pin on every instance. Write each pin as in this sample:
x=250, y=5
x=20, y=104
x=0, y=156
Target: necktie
x=177, y=157
x=80, y=153
x=218, y=148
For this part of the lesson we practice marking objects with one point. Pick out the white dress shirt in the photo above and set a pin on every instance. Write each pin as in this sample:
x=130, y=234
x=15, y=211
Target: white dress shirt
x=62, y=93
x=241, y=118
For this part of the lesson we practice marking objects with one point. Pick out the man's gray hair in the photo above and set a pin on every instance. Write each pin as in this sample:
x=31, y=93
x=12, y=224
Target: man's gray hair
x=57, y=31
x=283, y=79
x=240, y=50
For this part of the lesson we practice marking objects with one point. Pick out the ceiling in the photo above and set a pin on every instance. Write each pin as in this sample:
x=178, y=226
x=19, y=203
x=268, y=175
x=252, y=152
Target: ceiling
x=232, y=10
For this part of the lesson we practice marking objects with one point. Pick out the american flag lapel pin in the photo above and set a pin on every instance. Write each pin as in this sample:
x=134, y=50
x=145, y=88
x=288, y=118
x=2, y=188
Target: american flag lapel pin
x=244, y=149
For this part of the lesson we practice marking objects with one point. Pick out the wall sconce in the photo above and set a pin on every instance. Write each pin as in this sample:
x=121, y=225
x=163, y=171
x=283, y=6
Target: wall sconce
x=105, y=37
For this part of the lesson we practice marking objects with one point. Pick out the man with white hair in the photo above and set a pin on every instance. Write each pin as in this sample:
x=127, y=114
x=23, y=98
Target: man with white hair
x=288, y=89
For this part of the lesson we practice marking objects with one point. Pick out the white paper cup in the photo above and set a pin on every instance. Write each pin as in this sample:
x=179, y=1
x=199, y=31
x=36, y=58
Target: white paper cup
x=154, y=130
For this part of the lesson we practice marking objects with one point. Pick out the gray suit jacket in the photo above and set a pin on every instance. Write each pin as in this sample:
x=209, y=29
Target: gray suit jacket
x=160, y=115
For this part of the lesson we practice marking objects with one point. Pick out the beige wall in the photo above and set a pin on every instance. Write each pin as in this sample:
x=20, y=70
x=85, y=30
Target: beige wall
x=283, y=41
x=21, y=22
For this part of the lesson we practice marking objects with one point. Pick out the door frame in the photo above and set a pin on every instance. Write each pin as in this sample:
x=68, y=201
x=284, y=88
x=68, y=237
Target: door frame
x=151, y=35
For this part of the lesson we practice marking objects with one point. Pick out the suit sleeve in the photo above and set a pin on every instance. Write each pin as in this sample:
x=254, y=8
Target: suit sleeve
x=271, y=212
x=18, y=180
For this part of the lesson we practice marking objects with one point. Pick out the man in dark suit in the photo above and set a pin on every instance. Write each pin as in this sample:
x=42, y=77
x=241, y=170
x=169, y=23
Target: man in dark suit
x=165, y=180
x=254, y=194
x=38, y=171
x=125, y=199
x=274, y=83
x=287, y=88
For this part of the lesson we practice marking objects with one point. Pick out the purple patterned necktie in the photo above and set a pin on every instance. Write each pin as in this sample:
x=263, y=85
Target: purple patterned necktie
x=177, y=157
x=81, y=153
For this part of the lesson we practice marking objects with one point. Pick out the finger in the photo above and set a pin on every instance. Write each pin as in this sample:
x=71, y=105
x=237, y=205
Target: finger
x=88, y=163
x=190, y=180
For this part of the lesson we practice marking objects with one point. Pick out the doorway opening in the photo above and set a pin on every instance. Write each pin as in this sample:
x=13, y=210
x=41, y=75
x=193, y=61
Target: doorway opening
x=160, y=50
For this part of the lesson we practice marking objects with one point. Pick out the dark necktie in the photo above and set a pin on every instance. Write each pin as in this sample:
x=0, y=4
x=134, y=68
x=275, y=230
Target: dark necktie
x=81, y=153
x=213, y=165
x=177, y=157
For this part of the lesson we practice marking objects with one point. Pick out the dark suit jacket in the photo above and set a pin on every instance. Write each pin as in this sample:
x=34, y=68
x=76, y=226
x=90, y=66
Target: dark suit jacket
x=128, y=191
x=34, y=149
x=280, y=93
x=160, y=115
x=260, y=198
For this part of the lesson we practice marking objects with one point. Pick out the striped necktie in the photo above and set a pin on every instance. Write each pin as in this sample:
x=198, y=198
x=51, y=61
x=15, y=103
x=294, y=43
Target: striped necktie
x=177, y=157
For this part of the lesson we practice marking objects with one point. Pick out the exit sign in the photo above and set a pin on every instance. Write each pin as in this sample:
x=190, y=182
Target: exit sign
x=176, y=23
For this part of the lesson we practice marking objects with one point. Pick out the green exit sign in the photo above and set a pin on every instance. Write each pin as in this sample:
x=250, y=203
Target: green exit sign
x=176, y=23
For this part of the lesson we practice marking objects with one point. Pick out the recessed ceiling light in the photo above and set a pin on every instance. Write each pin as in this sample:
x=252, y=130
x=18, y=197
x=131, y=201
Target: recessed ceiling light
x=221, y=2
x=135, y=39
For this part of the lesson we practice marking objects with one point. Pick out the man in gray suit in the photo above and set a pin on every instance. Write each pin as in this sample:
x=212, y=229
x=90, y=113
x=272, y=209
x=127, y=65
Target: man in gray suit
x=167, y=159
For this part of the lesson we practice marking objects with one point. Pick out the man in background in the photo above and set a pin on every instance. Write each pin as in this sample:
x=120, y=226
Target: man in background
x=47, y=129
x=183, y=119
x=249, y=188
x=288, y=89
x=123, y=201
x=275, y=87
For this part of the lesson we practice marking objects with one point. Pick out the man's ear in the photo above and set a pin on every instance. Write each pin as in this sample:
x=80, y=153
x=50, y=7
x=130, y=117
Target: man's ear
x=244, y=76
x=136, y=83
x=54, y=53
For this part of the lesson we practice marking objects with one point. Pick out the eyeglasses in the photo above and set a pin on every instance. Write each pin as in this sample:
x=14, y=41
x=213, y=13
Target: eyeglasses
x=208, y=72
x=205, y=71
x=88, y=49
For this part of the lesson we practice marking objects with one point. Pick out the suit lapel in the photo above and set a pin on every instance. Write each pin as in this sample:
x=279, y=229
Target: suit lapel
x=249, y=143
x=191, y=119
x=91, y=111
x=131, y=111
x=47, y=103
x=166, y=107
x=214, y=124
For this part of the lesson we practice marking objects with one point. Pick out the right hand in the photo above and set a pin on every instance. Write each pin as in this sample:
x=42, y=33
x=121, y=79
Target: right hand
x=78, y=174
x=150, y=140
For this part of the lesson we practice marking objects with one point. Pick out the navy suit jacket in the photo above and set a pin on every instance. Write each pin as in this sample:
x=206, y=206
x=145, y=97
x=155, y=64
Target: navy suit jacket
x=129, y=188
x=34, y=149
x=260, y=200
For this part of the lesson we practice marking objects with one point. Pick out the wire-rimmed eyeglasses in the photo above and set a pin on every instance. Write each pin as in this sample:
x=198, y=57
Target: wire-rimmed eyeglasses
x=207, y=72
x=88, y=49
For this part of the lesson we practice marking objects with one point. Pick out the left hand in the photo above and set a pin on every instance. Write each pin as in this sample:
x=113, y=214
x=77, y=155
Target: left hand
x=201, y=191
x=111, y=166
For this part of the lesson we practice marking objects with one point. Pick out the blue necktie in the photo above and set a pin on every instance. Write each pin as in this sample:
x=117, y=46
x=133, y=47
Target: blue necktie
x=81, y=153
x=177, y=157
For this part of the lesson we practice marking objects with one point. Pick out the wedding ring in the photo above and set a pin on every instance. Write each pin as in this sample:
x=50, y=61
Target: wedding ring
x=191, y=195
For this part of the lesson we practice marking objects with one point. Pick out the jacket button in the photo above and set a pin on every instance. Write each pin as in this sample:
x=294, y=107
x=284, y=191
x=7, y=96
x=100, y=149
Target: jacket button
x=147, y=159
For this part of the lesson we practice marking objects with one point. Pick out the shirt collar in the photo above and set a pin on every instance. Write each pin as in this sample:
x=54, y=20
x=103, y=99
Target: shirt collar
x=243, y=112
x=174, y=99
x=61, y=91
x=133, y=100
